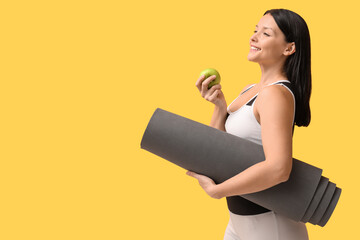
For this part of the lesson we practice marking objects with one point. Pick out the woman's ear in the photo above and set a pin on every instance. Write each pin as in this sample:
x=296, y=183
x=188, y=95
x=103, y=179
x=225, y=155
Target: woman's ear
x=290, y=49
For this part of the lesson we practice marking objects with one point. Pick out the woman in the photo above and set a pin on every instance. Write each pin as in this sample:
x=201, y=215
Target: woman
x=265, y=113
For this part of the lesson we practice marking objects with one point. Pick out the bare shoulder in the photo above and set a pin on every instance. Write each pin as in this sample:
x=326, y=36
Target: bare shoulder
x=274, y=105
x=276, y=98
x=246, y=87
x=276, y=93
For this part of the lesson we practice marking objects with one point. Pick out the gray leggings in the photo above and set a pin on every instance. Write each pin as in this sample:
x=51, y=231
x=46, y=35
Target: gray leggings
x=265, y=226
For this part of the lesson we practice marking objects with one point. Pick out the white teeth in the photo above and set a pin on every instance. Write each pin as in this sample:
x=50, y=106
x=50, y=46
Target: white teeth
x=255, y=48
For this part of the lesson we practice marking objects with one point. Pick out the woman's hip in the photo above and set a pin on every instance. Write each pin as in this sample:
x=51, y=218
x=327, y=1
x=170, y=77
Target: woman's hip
x=268, y=225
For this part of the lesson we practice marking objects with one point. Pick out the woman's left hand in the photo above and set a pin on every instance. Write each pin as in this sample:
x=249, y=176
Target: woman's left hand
x=206, y=183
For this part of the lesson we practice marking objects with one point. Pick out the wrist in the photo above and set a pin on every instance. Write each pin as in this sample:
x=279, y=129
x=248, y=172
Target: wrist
x=221, y=109
x=217, y=192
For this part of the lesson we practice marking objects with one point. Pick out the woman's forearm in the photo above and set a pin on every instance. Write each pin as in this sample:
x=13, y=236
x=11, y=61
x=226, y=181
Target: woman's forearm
x=218, y=118
x=256, y=178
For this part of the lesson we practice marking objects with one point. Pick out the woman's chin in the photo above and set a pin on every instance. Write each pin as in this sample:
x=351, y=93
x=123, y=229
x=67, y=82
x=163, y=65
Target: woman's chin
x=251, y=59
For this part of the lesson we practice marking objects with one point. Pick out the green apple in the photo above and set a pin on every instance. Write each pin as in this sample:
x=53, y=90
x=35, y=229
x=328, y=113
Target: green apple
x=208, y=72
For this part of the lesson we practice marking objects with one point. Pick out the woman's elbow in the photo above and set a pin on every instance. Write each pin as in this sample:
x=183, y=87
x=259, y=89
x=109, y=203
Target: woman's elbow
x=284, y=174
x=284, y=178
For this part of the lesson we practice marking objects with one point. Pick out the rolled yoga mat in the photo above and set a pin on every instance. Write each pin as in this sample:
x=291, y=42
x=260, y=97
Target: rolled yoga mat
x=306, y=196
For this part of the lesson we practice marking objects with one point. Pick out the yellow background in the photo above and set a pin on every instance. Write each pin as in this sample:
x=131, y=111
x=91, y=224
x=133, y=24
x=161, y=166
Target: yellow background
x=81, y=79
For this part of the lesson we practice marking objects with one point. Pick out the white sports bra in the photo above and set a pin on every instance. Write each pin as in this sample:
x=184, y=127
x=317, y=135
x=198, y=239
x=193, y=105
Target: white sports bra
x=242, y=122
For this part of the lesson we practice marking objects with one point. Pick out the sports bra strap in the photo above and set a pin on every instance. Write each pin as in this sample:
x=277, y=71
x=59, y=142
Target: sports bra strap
x=286, y=83
x=247, y=89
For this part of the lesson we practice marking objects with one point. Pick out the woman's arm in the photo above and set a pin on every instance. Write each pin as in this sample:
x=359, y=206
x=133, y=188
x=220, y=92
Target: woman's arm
x=215, y=96
x=275, y=106
x=218, y=118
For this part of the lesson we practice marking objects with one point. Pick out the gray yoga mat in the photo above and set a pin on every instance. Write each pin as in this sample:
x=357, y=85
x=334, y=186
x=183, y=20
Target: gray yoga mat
x=306, y=196
x=316, y=199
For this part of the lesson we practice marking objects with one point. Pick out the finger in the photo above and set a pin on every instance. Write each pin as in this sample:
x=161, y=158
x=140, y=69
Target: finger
x=199, y=81
x=192, y=174
x=213, y=96
x=212, y=90
x=205, y=84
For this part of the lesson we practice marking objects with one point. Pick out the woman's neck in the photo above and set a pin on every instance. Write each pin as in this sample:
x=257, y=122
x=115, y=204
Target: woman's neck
x=270, y=74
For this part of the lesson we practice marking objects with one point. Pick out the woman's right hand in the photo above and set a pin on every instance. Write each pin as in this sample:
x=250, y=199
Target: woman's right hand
x=214, y=94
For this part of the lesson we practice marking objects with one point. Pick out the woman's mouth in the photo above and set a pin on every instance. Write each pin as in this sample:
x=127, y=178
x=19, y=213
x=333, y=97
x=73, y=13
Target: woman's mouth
x=252, y=48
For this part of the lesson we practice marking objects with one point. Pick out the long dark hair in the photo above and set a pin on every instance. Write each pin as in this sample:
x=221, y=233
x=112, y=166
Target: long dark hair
x=297, y=66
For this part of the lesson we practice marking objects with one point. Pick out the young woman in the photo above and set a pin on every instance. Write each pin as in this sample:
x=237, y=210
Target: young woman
x=265, y=113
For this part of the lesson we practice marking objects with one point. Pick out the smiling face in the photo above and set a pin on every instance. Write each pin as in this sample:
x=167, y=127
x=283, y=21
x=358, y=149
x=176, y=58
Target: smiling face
x=268, y=44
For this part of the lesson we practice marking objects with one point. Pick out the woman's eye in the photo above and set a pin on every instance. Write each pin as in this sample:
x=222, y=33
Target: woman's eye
x=264, y=33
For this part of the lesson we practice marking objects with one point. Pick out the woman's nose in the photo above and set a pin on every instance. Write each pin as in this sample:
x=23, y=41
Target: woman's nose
x=254, y=38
